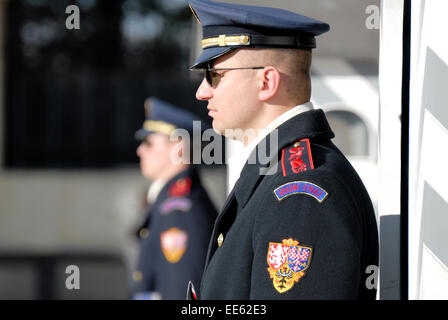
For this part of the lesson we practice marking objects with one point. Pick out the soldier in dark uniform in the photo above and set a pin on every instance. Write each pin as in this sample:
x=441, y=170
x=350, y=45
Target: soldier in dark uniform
x=299, y=223
x=175, y=235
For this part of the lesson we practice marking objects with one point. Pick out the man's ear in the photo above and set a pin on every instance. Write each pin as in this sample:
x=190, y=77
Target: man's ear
x=177, y=151
x=180, y=147
x=269, y=83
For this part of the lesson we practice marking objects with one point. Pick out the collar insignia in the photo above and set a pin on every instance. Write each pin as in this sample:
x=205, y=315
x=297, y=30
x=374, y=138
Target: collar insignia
x=297, y=158
x=181, y=187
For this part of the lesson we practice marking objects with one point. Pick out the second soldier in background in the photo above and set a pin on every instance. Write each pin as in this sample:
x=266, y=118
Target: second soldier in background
x=175, y=234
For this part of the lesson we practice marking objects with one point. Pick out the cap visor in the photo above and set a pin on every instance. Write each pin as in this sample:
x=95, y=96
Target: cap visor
x=210, y=54
x=141, y=134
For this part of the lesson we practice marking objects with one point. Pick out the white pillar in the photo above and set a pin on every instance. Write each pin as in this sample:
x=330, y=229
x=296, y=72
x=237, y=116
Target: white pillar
x=389, y=160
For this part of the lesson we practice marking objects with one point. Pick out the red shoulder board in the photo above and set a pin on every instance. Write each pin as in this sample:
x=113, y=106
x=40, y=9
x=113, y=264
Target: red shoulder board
x=180, y=187
x=297, y=158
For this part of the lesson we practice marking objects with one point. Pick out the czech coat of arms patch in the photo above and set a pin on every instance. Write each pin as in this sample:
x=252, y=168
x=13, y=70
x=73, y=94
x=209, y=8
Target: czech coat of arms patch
x=287, y=263
x=174, y=244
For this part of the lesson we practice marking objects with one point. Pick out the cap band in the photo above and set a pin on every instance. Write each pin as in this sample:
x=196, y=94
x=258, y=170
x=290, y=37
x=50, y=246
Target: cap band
x=226, y=40
x=159, y=126
x=223, y=40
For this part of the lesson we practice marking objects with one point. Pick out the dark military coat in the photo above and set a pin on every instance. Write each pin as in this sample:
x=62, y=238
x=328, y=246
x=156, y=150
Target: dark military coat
x=307, y=230
x=174, y=239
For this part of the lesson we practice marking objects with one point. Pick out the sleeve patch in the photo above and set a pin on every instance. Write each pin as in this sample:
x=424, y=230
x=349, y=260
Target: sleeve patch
x=300, y=187
x=297, y=158
x=174, y=244
x=287, y=263
x=178, y=203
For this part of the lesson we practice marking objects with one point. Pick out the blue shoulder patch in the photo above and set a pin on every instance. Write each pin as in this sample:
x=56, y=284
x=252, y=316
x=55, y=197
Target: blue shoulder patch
x=300, y=187
x=177, y=203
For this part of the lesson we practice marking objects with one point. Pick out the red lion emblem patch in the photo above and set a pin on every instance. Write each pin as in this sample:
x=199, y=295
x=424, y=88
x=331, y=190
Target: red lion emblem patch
x=298, y=156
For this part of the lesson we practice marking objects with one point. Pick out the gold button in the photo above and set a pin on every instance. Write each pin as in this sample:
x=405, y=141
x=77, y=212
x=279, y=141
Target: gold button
x=137, y=276
x=144, y=233
x=220, y=239
x=245, y=40
x=296, y=144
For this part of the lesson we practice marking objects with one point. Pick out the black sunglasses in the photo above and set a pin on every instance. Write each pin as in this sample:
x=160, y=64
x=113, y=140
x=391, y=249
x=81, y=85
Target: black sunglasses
x=213, y=77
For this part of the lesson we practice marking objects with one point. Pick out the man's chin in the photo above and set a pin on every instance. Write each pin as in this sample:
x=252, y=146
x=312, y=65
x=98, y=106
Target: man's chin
x=236, y=134
x=218, y=129
x=148, y=175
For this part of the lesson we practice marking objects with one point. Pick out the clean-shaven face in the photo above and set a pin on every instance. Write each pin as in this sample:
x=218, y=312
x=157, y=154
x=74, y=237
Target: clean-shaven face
x=234, y=103
x=154, y=154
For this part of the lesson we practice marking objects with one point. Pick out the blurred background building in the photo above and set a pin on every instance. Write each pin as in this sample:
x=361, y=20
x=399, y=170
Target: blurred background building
x=71, y=100
x=70, y=186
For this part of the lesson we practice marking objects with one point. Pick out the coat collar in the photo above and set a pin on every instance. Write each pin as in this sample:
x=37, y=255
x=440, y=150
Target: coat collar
x=311, y=124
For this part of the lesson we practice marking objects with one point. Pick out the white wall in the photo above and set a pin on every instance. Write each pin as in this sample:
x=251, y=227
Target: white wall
x=428, y=153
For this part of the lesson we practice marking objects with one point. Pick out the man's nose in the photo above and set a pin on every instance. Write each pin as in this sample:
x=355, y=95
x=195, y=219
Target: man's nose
x=137, y=151
x=205, y=91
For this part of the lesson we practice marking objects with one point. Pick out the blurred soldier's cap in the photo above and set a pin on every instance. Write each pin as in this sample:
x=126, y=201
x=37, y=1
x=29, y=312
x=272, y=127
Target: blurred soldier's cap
x=228, y=26
x=163, y=117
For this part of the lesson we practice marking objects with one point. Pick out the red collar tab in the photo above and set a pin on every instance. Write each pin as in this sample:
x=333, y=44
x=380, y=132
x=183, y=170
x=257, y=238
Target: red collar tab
x=297, y=158
x=180, y=187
